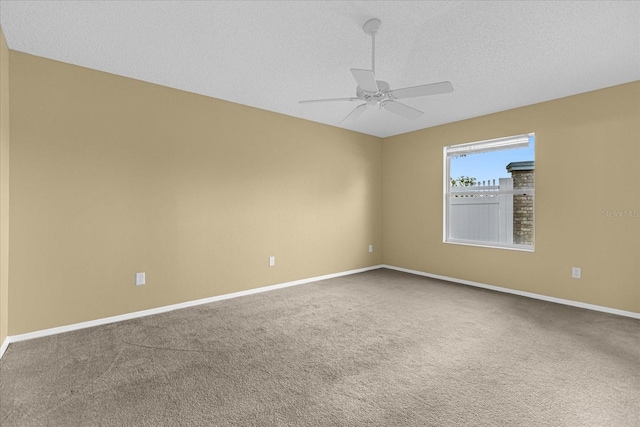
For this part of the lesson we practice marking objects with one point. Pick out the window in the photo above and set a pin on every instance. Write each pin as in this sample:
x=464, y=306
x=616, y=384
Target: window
x=489, y=193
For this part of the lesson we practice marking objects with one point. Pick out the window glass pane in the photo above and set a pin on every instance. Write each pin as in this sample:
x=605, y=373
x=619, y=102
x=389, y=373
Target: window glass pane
x=489, y=166
x=490, y=195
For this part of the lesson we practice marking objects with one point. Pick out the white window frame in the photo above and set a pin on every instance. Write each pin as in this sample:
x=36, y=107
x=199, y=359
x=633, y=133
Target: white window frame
x=516, y=141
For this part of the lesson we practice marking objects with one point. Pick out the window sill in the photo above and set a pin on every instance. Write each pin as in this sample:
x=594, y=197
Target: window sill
x=513, y=247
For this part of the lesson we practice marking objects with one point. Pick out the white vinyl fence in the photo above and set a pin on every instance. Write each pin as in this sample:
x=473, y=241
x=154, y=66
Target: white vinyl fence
x=483, y=212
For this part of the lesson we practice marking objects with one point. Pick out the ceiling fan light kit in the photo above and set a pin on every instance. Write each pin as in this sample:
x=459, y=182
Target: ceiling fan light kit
x=378, y=92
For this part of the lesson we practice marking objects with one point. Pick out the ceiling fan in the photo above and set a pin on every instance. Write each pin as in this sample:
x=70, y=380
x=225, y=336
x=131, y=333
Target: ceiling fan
x=378, y=92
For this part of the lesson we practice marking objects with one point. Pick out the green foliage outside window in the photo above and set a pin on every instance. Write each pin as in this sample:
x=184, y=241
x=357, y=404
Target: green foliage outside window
x=463, y=181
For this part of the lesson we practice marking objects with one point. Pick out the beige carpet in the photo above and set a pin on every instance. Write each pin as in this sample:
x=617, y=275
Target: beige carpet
x=380, y=348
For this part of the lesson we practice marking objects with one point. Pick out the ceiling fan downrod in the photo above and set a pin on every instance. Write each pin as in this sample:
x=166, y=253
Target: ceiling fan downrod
x=371, y=27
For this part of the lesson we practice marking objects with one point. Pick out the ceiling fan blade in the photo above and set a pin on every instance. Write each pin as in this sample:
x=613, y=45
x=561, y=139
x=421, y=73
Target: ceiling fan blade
x=309, y=101
x=366, y=80
x=424, y=90
x=402, y=110
x=357, y=112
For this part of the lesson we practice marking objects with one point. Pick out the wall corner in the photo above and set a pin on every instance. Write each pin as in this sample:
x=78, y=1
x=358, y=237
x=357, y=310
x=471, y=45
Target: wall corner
x=4, y=188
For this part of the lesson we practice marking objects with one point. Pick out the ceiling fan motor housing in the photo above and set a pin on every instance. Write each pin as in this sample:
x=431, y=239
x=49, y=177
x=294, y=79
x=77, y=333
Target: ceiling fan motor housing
x=380, y=95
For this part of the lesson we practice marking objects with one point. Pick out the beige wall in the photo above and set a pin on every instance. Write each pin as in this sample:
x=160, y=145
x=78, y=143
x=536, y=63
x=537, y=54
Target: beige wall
x=4, y=187
x=587, y=163
x=111, y=176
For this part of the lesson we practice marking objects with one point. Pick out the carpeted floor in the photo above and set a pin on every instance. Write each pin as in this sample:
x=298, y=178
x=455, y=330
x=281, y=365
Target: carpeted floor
x=380, y=348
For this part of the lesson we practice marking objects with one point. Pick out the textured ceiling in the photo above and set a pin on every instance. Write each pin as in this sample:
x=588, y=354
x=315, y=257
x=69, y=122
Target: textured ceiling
x=498, y=55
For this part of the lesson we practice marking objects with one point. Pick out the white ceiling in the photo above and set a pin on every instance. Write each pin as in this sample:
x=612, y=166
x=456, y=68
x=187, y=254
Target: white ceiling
x=498, y=55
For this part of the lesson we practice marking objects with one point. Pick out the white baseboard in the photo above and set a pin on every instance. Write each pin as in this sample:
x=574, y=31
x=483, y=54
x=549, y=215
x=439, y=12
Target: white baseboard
x=520, y=293
x=164, y=309
x=104, y=321
x=4, y=347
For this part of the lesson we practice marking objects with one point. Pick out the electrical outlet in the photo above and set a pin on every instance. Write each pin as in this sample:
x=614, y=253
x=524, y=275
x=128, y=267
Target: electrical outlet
x=576, y=272
x=140, y=279
x=370, y=248
x=272, y=261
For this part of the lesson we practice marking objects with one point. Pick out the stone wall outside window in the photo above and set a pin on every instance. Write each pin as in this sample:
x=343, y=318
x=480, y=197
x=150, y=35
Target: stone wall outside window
x=523, y=227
